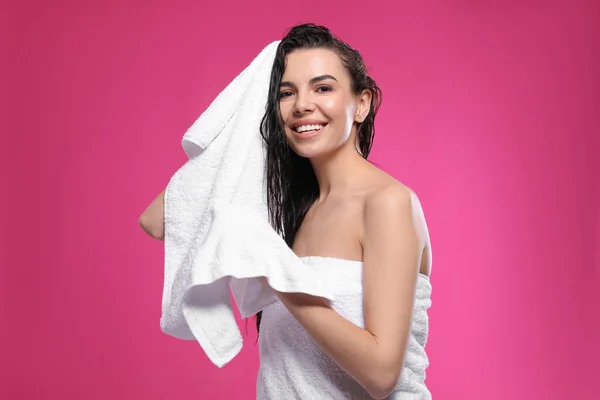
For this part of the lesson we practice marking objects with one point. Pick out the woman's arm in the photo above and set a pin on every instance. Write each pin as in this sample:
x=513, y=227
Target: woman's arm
x=394, y=239
x=152, y=220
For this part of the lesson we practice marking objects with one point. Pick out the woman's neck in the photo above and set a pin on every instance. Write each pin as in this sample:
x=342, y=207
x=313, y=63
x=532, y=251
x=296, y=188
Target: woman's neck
x=339, y=171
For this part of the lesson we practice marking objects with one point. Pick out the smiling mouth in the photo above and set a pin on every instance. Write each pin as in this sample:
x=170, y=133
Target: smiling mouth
x=304, y=129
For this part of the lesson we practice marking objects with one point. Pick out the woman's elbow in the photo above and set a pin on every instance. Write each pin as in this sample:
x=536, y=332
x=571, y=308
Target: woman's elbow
x=384, y=382
x=155, y=230
x=152, y=219
x=382, y=387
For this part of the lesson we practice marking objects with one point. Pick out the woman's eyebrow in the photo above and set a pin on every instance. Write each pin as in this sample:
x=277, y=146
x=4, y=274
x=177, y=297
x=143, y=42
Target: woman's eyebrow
x=312, y=81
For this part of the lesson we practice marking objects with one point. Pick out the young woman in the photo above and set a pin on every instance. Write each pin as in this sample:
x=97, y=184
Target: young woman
x=361, y=227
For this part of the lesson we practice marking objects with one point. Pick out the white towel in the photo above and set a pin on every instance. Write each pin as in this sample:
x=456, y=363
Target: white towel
x=288, y=352
x=217, y=235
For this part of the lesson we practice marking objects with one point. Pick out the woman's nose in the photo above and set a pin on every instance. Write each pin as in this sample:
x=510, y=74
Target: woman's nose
x=304, y=103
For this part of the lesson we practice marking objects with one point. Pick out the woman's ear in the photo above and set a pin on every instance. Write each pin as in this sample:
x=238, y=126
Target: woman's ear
x=364, y=105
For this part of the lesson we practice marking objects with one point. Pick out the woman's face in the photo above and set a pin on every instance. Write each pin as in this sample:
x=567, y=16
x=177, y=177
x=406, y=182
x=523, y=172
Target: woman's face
x=317, y=103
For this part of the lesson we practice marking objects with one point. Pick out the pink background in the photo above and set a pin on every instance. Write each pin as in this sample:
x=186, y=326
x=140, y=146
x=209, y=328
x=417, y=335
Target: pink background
x=490, y=114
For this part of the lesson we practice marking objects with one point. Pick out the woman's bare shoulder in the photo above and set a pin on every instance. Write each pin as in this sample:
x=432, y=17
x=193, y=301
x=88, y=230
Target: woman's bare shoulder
x=388, y=200
x=385, y=188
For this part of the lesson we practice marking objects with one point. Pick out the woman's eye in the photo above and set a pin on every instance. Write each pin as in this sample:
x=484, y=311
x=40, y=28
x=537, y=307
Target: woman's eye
x=323, y=89
x=285, y=94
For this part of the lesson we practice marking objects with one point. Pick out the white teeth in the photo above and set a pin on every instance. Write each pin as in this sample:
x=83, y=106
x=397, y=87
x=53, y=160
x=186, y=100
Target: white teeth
x=305, y=128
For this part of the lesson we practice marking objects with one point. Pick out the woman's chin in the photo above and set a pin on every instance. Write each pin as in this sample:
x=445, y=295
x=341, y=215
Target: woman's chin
x=313, y=152
x=308, y=150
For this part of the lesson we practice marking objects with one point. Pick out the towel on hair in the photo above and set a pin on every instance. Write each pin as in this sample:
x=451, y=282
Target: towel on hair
x=217, y=234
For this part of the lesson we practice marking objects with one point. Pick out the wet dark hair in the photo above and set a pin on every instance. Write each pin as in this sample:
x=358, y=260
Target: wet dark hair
x=292, y=186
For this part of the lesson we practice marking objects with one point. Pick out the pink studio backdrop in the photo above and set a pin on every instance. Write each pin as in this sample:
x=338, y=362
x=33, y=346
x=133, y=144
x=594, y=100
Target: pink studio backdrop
x=489, y=114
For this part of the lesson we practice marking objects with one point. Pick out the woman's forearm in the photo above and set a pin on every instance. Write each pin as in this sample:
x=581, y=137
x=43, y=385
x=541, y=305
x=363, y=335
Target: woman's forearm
x=354, y=349
x=152, y=220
